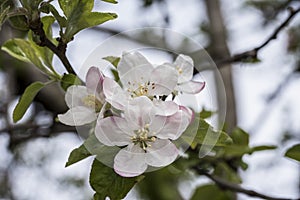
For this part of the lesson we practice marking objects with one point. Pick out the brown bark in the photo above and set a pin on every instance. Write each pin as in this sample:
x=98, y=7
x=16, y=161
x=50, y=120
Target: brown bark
x=219, y=50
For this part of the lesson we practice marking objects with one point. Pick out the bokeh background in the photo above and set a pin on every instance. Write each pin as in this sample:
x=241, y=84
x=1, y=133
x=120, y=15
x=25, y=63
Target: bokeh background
x=262, y=95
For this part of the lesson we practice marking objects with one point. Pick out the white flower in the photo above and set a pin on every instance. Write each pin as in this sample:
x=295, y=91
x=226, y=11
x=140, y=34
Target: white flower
x=139, y=78
x=147, y=137
x=85, y=102
x=185, y=66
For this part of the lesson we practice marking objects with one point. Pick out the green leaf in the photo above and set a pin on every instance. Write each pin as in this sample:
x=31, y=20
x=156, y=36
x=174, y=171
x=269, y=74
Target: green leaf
x=104, y=153
x=47, y=8
x=226, y=172
x=200, y=132
x=240, y=137
x=68, y=80
x=111, y=1
x=86, y=21
x=26, y=99
x=45, y=54
x=79, y=16
x=204, y=114
x=262, y=148
x=113, y=60
x=107, y=183
x=77, y=155
x=19, y=22
x=293, y=152
x=211, y=192
x=3, y=15
x=25, y=51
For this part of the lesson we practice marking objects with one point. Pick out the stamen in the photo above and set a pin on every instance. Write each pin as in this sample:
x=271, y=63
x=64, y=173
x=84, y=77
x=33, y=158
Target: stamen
x=141, y=137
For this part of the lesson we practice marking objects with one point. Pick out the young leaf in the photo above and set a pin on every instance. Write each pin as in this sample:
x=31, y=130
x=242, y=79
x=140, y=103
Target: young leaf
x=262, y=148
x=26, y=99
x=3, y=15
x=87, y=20
x=25, y=51
x=240, y=137
x=200, y=132
x=68, y=80
x=19, y=22
x=204, y=114
x=77, y=155
x=227, y=172
x=211, y=192
x=111, y=1
x=79, y=16
x=46, y=7
x=113, y=60
x=107, y=183
x=293, y=152
x=45, y=54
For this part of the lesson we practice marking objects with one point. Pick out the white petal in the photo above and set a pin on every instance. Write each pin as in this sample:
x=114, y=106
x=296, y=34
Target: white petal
x=161, y=153
x=139, y=111
x=114, y=94
x=75, y=94
x=78, y=116
x=185, y=66
x=157, y=123
x=94, y=81
x=131, y=60
x=165, y=78
x=191, y=87
x=175, y=125
x=130, y=161
x=136, y=76
x=108, y=131
x=165, y=108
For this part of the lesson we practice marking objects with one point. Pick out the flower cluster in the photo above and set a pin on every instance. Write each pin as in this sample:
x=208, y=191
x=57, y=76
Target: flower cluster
x=141, y=122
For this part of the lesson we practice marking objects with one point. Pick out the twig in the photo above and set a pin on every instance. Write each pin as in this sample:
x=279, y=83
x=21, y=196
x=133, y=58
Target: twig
x=37, y=27
x=236, y=188
x=252, y=54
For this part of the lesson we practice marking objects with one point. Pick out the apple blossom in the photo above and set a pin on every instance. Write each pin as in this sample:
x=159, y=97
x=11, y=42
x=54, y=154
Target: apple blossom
x=139, y=78
x=146, y=137
x=84, y=102
x=185, y=66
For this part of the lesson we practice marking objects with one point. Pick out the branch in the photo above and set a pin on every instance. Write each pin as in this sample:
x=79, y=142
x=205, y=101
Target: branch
x=236, y=188
x=252, y=54
x=60, y=50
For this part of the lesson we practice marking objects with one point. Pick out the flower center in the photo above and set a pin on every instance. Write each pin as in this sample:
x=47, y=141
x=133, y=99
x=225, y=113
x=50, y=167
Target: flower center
x=141, y=90
x=142, y=137
x=92, y=102
x=180, y=71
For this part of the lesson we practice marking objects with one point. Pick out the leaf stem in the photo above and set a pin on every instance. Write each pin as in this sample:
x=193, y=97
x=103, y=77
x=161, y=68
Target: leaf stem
x=60, y=50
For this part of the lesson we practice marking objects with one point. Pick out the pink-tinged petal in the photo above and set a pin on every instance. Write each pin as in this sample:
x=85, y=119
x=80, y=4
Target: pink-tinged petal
x=161, y=153
x=175, y=125
x=94, y=80
x=191, y=87
x=184, y=64
x=130, y=161
x=108, y=131
x=114, y=94
x=130, y=60
x=188, y=112
x=165, y=79
x=78, y=116
x=75, y=95
x=165, y=108
x=139, y=111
